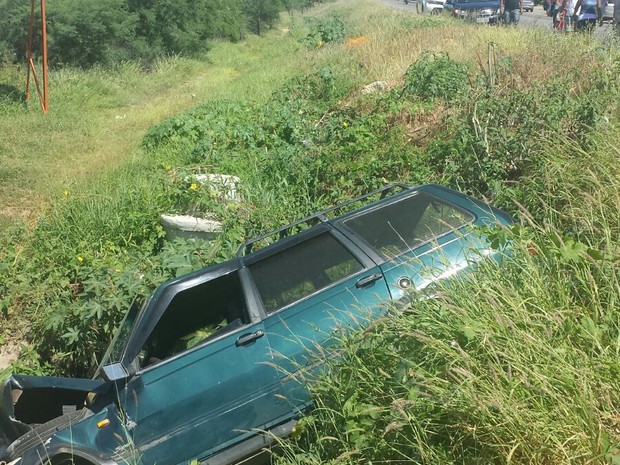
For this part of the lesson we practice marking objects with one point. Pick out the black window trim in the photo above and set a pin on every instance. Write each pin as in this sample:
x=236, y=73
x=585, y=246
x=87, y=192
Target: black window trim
x=148, y=318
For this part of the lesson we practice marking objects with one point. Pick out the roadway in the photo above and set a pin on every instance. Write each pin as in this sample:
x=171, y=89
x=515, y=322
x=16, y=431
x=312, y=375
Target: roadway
x=536, y=18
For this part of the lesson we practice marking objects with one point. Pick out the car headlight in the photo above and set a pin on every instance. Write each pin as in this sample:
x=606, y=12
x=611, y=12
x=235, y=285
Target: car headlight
x=457, y=11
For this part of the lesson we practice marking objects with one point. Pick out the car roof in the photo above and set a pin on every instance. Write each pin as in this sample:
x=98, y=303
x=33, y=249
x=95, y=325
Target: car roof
x=325, y=216
x=325, y=219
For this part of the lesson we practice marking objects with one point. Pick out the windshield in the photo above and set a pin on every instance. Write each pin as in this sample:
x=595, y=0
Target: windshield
x=117, y=346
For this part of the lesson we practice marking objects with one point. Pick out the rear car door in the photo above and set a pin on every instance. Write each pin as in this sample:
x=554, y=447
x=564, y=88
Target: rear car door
x=313, y=289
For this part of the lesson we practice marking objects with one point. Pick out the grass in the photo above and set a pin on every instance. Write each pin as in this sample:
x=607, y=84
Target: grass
x=97, y=117
x=517, y=365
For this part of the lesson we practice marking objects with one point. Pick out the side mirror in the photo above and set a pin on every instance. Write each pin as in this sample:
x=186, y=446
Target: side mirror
x=114, y=372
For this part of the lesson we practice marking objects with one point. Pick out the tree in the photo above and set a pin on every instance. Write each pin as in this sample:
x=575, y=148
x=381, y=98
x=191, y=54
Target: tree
x=183, y=26
x=262, y=13
x=14, y=17
x=83, y=32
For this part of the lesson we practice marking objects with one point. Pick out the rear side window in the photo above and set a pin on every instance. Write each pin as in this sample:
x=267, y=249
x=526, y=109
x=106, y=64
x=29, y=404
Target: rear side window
x=404, y=225
x=301, y=270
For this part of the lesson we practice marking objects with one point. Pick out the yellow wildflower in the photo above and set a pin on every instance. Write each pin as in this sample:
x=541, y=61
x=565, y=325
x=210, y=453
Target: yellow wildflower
x=193, y=186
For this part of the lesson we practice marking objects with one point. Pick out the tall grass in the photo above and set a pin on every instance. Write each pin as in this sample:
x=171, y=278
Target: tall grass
x=516, y=364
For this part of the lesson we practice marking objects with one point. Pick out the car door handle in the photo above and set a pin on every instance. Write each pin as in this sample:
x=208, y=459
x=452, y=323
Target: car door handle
x=368, y=280
x=249, y=338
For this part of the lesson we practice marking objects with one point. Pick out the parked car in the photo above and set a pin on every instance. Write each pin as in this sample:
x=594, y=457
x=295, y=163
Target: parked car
x=210, y=367
x=481, y=11
x=432, y=7
x=528, y=5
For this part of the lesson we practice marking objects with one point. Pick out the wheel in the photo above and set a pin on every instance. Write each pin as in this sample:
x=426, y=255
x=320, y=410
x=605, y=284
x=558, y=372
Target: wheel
x=435, y=11
x=68, y=460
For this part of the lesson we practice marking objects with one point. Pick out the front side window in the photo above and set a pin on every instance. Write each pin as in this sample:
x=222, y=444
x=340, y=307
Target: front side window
x=195, y=315
x=301, y=270
x=404, y=225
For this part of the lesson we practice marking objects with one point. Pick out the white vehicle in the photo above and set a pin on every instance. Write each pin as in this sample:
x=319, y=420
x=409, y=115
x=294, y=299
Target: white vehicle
x=429, y=7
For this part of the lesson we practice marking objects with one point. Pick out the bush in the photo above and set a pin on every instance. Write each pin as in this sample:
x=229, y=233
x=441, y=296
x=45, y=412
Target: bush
x=436, y=76
x=324, y=31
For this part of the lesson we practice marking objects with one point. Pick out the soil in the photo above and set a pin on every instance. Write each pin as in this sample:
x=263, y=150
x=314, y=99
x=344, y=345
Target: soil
x=9, y=352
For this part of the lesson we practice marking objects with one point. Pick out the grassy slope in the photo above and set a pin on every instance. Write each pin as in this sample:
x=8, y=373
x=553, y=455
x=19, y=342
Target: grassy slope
x=98, y=117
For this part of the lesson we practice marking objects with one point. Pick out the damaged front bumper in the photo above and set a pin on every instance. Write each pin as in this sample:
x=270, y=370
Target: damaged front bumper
x=29, y=401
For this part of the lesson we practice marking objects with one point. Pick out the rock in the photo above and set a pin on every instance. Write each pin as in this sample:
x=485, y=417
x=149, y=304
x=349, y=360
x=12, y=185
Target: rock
x=223, y=185
x=377, y=86
x=186, y=226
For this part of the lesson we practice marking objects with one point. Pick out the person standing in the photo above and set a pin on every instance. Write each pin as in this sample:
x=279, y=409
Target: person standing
x=587, y=13
x=564, y=16
x=511, y=11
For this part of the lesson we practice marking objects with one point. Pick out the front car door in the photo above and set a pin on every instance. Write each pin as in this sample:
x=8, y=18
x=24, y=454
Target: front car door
x=206, y=379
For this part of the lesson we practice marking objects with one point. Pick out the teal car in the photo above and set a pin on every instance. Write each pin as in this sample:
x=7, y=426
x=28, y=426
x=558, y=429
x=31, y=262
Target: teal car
x=211, y=368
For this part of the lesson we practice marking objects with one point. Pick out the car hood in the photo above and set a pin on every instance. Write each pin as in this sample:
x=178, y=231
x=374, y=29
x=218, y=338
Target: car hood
x=26, y=400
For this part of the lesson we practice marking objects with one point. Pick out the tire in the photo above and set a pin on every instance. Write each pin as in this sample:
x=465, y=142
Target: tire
x=41, y=432
x=67, y=460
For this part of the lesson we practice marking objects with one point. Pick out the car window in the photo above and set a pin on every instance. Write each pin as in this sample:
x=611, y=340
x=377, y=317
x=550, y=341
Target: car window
x=196, y=315
x=404, y=225
x=301, y=270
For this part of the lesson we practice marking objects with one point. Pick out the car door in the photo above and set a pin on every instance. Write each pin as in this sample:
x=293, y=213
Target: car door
x=206, y=379
x=419, y=238
x=314, y=289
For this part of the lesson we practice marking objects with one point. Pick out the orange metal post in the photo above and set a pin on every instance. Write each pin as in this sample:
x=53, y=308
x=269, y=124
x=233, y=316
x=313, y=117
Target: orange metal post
x=43, y=96
x=45, y=104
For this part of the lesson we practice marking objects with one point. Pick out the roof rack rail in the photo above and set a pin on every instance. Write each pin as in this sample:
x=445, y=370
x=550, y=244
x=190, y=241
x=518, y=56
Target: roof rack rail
x=320, y=217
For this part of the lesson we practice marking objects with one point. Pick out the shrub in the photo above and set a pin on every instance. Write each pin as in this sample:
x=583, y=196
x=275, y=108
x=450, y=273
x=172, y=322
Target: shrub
x=436, y=76
x=324, y=31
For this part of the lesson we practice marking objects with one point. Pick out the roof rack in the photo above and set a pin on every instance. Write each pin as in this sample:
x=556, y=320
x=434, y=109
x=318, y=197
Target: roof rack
x=320, y=217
